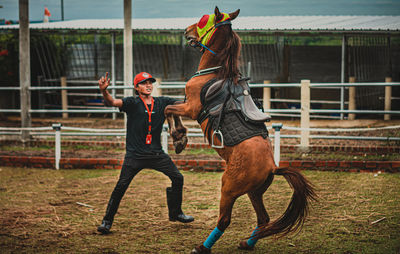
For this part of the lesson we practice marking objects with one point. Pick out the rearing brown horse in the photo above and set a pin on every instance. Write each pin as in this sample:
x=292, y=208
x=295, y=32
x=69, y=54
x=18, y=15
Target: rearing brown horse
x=250, y=164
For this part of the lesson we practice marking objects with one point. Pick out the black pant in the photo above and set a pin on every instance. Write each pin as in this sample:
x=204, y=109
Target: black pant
x=131, y=167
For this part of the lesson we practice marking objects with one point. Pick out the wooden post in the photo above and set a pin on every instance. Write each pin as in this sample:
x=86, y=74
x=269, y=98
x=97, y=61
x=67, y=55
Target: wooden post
x=113, y=71
x=128, y=51
x=64, y=97
x=24, y=68
x=267, y=96
x=305, y=114
x=388, y=98
x=156, y=88
x=352, y=98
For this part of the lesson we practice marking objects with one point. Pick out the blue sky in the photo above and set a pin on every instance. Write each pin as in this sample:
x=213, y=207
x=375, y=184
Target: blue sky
x=113, y=9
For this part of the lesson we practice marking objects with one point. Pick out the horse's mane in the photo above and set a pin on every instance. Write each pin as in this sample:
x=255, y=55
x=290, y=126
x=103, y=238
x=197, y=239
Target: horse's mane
x=229, y=57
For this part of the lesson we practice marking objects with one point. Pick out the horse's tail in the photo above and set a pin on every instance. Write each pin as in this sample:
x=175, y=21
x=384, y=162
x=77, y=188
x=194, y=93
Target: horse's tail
x=297, y=210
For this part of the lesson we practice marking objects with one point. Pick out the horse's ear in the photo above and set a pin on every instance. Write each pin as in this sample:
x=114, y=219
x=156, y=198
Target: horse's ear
x=233, y=15
x=218, y=14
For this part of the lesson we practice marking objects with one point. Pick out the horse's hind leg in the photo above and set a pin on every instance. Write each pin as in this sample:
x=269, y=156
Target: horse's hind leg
x=230, y=191
x=256, y=198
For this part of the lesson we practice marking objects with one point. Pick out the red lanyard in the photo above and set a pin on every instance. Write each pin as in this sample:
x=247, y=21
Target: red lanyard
x=149, y=111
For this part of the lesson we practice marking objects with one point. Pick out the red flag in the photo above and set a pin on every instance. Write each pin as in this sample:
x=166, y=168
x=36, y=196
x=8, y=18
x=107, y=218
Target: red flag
x=47, y=12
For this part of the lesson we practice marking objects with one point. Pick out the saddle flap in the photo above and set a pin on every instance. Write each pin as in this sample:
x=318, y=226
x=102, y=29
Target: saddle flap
x=247, y=105
x=214, y=111
x=251, y=111
x=214, y=90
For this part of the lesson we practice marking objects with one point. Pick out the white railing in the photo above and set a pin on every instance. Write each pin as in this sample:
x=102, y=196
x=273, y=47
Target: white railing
x=305, y=112
x=192, y=132
x=56, y=131
x=159, y=86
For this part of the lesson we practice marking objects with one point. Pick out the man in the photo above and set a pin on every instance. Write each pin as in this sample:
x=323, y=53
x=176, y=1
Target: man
x=145, y=119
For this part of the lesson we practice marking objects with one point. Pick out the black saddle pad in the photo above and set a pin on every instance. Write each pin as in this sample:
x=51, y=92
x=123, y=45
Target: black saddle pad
x=235, y=129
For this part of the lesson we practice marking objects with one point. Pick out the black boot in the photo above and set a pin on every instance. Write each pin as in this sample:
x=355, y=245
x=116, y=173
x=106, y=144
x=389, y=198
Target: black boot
x=105, y=227
x=174, y=201
x=111, y=210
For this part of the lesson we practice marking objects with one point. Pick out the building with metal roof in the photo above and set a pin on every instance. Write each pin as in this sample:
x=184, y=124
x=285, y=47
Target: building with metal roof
x=281, y=49
x=321, y=24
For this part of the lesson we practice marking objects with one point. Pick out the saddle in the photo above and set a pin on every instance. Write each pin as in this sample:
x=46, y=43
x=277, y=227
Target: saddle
x=221, y=95
x=224, y=98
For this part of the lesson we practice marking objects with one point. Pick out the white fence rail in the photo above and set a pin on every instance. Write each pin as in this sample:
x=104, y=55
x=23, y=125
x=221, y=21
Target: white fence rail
x=305, y=112
x=192, y=132
x=266, y=97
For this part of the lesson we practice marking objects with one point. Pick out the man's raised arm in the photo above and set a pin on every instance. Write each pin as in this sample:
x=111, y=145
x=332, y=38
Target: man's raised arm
x=104, y=82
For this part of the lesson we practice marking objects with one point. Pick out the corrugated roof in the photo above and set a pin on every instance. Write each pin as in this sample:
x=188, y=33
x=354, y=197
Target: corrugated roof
x=267, y=23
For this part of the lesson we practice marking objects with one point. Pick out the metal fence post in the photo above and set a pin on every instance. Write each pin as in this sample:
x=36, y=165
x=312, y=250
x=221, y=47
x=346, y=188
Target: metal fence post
x=305, y=114
x=342, y=74
x=277, y=142
x=57, y=128
x=164, y=139
x=40, y=95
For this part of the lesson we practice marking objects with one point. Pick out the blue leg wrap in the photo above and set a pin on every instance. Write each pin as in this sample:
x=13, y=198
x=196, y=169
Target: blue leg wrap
x=212, y=238
x=251, y=242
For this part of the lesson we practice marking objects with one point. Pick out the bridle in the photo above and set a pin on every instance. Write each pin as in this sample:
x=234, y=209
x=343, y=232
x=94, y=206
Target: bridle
x=197, y=43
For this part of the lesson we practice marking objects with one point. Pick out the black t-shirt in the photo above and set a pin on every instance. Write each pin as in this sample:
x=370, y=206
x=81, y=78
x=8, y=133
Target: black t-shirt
x=138, y=125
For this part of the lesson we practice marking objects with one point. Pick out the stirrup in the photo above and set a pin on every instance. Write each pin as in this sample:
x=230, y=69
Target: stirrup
x=217, y=132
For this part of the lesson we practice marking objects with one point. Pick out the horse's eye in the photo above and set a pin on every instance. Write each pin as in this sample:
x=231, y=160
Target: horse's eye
x=203, y=21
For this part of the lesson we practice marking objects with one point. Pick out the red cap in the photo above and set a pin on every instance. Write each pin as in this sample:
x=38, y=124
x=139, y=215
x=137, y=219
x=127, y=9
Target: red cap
x=141, y=77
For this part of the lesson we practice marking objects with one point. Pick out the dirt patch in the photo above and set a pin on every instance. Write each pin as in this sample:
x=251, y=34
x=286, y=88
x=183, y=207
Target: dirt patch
x=54, y=211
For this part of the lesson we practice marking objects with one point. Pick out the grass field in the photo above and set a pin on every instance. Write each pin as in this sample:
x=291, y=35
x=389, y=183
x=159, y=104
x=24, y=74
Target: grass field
x=44, y=211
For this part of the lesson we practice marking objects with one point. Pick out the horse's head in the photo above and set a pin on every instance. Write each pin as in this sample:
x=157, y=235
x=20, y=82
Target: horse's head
x=214, y=33
x=202, y=32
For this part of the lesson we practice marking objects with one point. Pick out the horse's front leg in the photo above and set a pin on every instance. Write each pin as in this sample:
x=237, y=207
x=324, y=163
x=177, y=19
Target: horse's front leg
x=176, y=128
x=179, y=136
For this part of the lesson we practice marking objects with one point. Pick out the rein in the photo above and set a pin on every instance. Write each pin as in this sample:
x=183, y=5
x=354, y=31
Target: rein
x=199, y=44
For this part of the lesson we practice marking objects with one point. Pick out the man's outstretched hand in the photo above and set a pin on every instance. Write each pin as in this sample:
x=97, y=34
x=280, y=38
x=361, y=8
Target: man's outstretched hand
x=104, y=82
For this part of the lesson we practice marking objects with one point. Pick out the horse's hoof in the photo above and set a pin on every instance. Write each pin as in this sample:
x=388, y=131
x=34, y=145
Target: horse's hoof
x=200, y=249
x=180, y=145
x=244, y=246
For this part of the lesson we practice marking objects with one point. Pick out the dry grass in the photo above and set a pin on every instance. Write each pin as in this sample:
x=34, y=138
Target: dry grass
x=39, y=213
